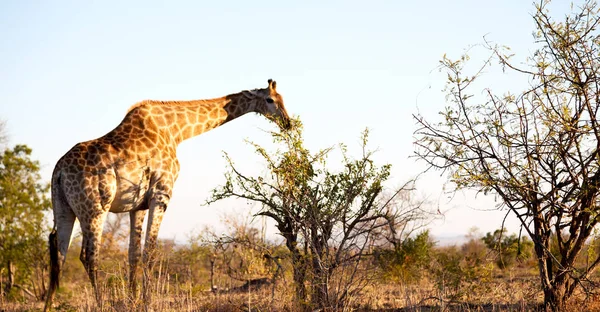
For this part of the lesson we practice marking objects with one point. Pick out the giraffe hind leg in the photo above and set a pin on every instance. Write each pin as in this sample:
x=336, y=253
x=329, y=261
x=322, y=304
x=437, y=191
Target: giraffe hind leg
x=135, y=247
x=91, y=230
x=158, y=206
x=59, y=240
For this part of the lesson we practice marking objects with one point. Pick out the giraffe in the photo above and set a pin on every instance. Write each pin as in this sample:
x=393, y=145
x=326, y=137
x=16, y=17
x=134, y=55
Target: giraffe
x=132, y=169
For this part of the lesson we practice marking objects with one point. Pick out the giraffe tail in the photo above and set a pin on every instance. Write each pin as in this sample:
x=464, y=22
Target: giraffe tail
x=54, y=269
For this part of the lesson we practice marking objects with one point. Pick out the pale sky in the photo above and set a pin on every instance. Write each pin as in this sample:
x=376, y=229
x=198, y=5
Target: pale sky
x=70, y=69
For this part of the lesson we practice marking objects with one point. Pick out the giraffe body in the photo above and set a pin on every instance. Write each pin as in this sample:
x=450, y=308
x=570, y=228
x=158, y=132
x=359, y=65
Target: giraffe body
x=133, y=169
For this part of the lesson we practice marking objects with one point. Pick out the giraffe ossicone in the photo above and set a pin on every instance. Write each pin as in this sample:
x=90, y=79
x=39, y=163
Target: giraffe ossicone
x=132, y=169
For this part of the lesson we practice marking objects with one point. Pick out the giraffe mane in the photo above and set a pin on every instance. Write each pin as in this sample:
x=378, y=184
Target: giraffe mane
x=254, y=92
x=179, y=103
x=138, y=104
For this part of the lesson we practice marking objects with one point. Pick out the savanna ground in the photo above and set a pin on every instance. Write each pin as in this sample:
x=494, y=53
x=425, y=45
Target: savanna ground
x=467, y=277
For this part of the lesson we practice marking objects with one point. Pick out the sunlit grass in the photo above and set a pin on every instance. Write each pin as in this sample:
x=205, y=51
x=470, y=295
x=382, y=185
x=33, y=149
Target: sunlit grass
x=182, y=283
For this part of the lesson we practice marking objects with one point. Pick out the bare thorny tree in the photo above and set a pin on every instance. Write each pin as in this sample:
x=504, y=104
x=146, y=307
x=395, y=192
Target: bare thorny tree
x=245, y=253
x=115, y=231
x=329, y=219
x=538, y=150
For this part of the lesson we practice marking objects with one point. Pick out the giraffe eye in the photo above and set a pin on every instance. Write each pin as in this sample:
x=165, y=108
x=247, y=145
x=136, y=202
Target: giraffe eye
x=270, y=100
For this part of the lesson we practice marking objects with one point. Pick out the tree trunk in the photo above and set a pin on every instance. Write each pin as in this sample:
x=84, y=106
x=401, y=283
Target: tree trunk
x=555, y=298
x=319, y=296
x=212, y=274
x=10, y=281
x=320, y=281
x=553, y=285
x=299, y=267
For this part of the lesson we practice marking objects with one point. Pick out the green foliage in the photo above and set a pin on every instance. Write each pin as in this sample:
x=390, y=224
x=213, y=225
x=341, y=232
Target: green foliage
x=446, y=269
x=509, y=249
x=23, y=201
x=458, y=276
x=407, y=260
x=475, y=252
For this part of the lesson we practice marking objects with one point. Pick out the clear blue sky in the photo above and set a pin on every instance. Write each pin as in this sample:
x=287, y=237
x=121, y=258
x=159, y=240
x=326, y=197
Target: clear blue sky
x=70, y=69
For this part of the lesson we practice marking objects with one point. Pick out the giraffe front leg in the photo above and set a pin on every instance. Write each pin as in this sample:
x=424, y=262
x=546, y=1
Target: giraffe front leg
x=135, y=247
x=158, y=205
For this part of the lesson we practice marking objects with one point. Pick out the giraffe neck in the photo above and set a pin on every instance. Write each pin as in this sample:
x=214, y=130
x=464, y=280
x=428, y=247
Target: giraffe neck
x=186, y=119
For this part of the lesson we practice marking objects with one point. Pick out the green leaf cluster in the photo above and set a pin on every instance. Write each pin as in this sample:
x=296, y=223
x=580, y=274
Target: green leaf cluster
x=23, y=201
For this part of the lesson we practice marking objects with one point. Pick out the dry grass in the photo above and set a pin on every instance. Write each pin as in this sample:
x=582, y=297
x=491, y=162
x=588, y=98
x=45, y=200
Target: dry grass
x=515, y=290
x=184, y=285
x=497, y=295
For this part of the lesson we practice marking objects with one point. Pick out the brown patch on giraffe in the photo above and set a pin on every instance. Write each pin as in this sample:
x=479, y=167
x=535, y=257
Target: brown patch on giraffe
x=185, y=132
x=127, y=129
x=199, y=128
x=214, y=113
x=182, y=117
x=147, y=142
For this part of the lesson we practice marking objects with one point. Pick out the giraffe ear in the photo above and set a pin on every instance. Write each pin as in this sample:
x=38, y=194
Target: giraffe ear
x=272, y=84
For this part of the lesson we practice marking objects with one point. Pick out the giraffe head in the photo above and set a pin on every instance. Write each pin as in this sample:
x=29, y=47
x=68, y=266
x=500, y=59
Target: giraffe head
x=269, y=103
